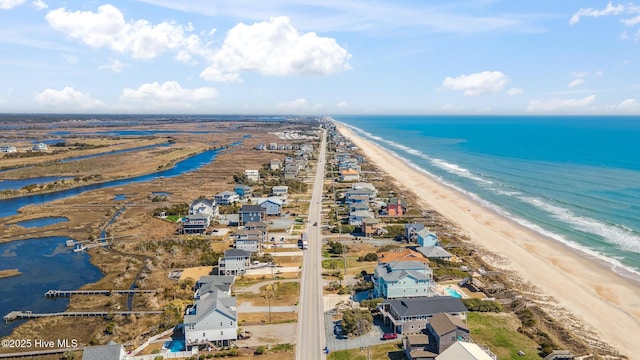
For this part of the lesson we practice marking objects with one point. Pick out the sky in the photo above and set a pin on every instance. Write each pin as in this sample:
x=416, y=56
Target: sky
x=320, y=57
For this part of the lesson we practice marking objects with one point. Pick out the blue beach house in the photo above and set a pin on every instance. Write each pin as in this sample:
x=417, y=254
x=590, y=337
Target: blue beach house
x=402, y=279
x=426, y=238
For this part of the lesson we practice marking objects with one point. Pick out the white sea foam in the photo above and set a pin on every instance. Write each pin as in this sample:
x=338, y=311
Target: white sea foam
x=615, y=264
x=442, y=164
x=626, y=238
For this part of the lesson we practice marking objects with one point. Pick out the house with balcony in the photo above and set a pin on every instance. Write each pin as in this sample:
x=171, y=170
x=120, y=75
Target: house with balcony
x=249, y=240
x=251, y=213
x=402, y=279
x=195, y=224
x=252, y=175
x=396, y=207
x=411, y=230
x=234, y=262
x=280, y=191
x=275, y=164
x=272, y=206
x=348, y=175
x=243, y=191
x=463, y=350
x=435, y=252
x=368, y=194
x=226, y=197
x=411, y=315
x=356, y=217
x=291, y=172
x=212, y=319
x=364, y=185
x=258, y=225
x=371, y=226
x=205, y=207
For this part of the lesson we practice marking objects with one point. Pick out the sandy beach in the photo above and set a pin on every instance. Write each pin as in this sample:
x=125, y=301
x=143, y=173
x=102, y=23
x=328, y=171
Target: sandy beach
x=605, y=302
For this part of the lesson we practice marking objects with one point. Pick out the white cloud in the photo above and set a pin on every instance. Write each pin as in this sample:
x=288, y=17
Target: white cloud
x=295, y=105
x=627, y=106
x=107, y=28
x=575, y=82
x=39, y=4
x=478, y=83
x=515, y=91
x=70, y=59
x=68, y=99
x=10, y=4
x=632, y=21
x=115, y=66
x=342, y=104
x=167, y=94
x=610, y=9
x=275, y=48
x=560, y=104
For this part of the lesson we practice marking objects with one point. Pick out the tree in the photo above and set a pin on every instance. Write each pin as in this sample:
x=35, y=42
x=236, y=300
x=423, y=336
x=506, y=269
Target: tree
x=356, y=321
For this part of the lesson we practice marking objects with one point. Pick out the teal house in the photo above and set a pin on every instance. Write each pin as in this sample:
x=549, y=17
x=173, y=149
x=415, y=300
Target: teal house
x=402, y=279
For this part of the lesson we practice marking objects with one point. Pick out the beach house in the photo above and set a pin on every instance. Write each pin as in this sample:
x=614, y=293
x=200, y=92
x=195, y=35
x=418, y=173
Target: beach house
x=226, y=197
x=411, y=230
x=253, y=175
x=349, y=175
x=272, y=206
x=411, y=315
x=234, y=262
x=435, y=252
x=402, y=279
x=249, y=240
x=195, y=224
x=396, y=207
x=243, y=191
x=212, y=319
x=204, y=207
x=111, y=351
x=275, y=164
x=356, y=217
x=280, y=191
x=251, y=213
x=371, y=226
x=40, y=147
x=463, y=350
x=386, y=257
x=425, y=237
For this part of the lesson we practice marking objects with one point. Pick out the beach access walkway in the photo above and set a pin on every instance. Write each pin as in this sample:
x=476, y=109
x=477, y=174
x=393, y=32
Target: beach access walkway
x=68, y=293
x=19, y=315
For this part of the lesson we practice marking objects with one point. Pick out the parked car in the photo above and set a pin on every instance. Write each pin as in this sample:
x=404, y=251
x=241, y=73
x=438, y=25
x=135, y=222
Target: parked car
x=389, y=336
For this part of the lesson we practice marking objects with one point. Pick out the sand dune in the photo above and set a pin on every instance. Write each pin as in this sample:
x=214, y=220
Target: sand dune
x=606, y=303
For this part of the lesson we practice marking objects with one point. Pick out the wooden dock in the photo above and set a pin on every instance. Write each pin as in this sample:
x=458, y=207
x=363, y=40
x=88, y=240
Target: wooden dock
x=68, y=293
x=19, y=315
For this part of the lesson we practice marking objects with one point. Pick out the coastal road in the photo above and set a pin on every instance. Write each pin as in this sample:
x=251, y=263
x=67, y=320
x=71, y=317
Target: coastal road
x=311, y=328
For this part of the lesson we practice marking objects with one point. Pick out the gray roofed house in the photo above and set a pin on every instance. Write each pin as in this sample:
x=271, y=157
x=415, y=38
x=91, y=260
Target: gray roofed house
x=196, y=223
x=435, y=252
x=251, y=213
x=234, y=262
x=411, y=230
x=446, y=330
x=411, y=315
x=111, y=351
x=402, y=279
x=207, y=283
x=212, y=319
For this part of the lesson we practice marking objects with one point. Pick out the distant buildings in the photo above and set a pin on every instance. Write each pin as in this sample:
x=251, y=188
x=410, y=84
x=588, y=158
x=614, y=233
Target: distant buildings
x=40, y=147
x=7, y=149
x=226, y=197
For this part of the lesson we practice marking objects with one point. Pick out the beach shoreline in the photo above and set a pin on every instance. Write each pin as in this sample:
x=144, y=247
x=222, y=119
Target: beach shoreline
x=602, y=300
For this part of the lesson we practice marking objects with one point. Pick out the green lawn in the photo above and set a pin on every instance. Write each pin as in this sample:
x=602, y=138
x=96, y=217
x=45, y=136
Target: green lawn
x=390, y=351
x=173, y=218
x=498, y=332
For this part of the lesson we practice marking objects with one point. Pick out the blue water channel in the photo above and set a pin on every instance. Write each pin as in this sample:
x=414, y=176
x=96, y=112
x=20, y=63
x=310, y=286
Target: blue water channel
x=9, y=207
x=46, y=263
x=20, y=183
x=41, y=222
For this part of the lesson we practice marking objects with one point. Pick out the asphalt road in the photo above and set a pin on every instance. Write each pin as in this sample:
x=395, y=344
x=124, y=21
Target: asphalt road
x=311, y=322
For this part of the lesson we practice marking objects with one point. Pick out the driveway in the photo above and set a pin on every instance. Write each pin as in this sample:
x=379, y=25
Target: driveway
x=269, y=335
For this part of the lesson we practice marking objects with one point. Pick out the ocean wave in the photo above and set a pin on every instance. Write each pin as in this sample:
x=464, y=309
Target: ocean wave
x=626, y=238
x=440, y=163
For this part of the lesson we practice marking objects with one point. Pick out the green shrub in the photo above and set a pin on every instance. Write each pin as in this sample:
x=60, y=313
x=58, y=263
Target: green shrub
x=259, y=350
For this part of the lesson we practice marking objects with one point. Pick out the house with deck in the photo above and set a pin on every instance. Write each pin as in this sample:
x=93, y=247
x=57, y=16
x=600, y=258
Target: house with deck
x=371, y=226
x=40, y=147
x=252, y=175
x=411, y=230
x=212, y=319
x=251, y=213
x=348, y=175
x=396, y=207
x=280, y=191
x=234, y=262
x=435, y=252
x=226, y=197
x=402, y=279
x=195, y=224
x=404, y=255
x=243, y=191
x=111, y=351
x=272, y=206
x=356, y=217
x=275, y=164
x=249, y=240
x=205, y=207
x=411, y=315
x=7, y=149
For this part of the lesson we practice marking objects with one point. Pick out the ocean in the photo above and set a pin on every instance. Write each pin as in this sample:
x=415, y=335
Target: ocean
x=575, y=179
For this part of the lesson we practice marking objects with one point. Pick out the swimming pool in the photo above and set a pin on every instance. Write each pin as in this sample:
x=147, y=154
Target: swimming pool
x=453, y=292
